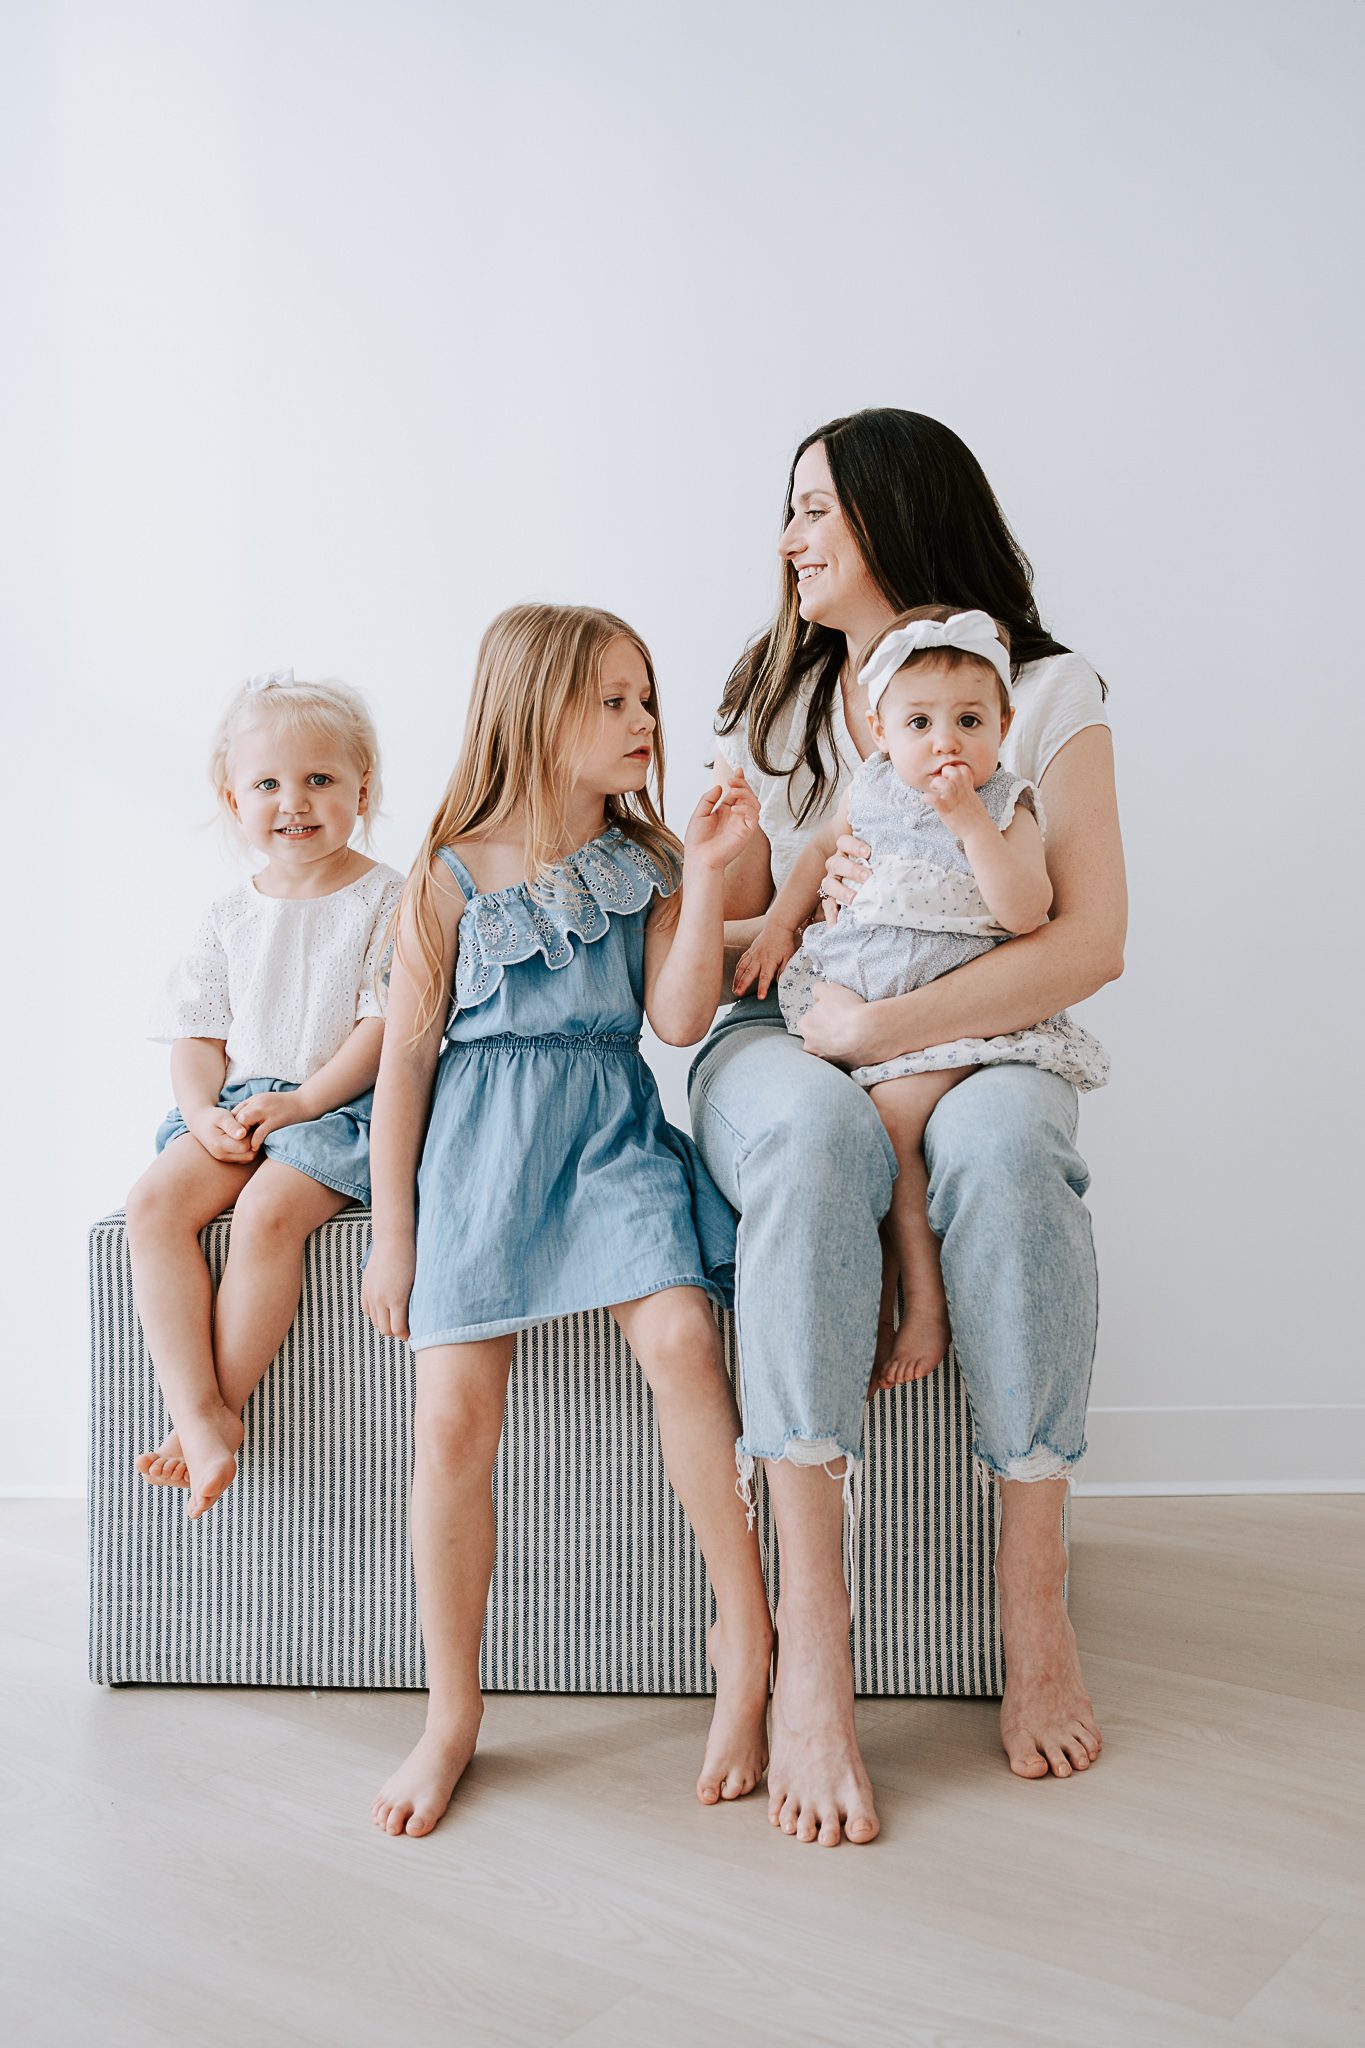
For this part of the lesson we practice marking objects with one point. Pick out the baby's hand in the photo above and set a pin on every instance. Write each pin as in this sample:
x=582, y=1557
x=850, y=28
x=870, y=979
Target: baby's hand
x=262, y=1114
x=221, y=1136
x=952, y=793
x=720, y=827
x=765, y=958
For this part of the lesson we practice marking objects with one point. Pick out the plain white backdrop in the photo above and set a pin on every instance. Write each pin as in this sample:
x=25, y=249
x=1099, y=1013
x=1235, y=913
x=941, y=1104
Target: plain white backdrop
x=334, y=326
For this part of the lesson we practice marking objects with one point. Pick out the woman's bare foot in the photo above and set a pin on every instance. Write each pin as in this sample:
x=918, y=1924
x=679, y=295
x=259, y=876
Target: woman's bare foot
x=818, y=1788
x=165, y=1466
x=737, y=1745
x=210, y=1440
x=1047, y=1723
x=414, y=1798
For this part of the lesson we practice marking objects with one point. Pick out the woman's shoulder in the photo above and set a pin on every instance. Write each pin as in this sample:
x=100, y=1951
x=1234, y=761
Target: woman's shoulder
x=1054, y=699
x=785, y=735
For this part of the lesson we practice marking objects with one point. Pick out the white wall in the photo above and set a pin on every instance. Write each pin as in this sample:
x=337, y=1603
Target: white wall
x=337, y=325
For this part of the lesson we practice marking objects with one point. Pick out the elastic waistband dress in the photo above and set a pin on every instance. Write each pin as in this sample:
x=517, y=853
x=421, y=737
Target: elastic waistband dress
x=551, y=1180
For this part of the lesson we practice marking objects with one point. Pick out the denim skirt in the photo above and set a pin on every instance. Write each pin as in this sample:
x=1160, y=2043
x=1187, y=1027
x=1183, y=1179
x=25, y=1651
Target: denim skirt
x=333, y=1149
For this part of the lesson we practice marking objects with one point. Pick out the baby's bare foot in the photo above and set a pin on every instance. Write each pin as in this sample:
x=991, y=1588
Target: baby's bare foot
x=210, y=1440
x=165, y=1466
x=921, y=1342
x=414, y=1798
x=737, y=1745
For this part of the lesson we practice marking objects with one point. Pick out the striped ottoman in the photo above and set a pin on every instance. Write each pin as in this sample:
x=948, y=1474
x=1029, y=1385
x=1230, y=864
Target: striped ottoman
x=301, y=1574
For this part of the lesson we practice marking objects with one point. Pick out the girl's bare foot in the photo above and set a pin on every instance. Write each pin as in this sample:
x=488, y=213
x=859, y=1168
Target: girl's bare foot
x=210, y=1441
x=737, y=1745
x=165, y=1466
x=414, y=1798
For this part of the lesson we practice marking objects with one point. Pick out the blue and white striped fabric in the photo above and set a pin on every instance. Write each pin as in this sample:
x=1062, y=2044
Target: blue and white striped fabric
x=301, y=1575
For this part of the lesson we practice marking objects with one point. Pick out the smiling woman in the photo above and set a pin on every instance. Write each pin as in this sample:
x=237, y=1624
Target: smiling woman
x=887, y=511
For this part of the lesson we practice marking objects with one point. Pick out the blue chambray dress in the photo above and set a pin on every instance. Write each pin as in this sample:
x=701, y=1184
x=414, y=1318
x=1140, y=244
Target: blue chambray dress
x=551, y=1180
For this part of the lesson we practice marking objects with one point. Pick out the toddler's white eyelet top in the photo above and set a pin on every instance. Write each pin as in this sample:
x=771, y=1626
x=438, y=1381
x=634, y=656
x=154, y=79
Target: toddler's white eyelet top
x=283, y=982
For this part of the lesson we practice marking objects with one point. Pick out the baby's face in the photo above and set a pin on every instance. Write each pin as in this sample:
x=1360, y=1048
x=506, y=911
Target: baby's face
x=296, y=793
x=930, y=715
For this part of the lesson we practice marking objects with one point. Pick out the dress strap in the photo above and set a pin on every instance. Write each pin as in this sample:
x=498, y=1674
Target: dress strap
x=459, y=870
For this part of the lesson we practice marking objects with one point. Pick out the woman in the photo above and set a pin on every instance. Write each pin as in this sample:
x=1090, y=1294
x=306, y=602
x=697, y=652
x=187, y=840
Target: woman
x=887, y=510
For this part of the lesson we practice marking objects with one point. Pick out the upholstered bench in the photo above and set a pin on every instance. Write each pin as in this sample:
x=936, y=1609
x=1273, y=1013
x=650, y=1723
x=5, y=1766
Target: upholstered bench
x=301, y=1574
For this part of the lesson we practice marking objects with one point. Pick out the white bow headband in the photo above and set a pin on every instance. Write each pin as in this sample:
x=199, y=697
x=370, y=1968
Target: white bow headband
x=973, y=632
x=278, y=678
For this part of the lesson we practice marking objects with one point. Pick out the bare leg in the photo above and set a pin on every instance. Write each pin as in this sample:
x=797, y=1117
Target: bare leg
x=182, y=1190
x=674, y=1336
x=921, y=1342
x=818, y=1788
x=275, y=1214
x=1046, y=1720
x=461, y=1396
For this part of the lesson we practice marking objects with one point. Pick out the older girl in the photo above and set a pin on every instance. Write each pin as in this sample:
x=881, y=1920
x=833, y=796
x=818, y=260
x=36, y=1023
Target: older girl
x=523, y=1168
x=887, y=510
x=274, y=1028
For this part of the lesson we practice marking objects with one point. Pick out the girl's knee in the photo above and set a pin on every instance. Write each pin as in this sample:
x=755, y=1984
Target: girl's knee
x=456, y=1437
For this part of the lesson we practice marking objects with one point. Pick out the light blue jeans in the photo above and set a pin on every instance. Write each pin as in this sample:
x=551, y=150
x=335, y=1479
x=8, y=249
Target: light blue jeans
x=798, y=1149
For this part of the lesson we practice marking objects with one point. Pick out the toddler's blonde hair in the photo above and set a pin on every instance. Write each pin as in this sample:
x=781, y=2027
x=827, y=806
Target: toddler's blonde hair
x=535, y=691
x=333, y=708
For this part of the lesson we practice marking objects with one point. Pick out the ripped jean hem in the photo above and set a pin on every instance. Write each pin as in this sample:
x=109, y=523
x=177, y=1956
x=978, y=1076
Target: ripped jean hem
x=813, y=1451
x=1042, y=1462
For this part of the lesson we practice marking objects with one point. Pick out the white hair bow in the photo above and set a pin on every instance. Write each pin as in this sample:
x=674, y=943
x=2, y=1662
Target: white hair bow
x=280, y=678
x=973, y=632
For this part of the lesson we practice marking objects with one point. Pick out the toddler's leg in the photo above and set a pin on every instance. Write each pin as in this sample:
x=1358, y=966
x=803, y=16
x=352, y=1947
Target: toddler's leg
x=461, y=1396
x=182, y=1190
x=276, y=1213
x=921, y=1343
x=674, y=1336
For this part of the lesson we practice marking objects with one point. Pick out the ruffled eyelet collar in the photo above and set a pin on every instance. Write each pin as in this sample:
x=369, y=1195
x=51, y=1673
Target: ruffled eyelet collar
x=610, y=876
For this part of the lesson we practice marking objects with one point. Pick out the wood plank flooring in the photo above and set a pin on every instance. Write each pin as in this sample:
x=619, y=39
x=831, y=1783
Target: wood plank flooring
x=194, y=1865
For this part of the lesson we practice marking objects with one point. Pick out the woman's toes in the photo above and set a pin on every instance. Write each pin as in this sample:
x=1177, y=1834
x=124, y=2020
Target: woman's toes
x=708, y=1791
x=829, y=1833
x=860, y=1828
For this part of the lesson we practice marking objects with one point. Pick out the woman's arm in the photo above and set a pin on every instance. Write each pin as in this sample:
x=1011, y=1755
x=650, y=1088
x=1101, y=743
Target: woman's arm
x=684, y=961
x=1018, y=984
x=347, y=1074
x=402, y=1104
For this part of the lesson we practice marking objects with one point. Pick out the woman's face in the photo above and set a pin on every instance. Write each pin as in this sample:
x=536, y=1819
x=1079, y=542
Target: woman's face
x=833, y=586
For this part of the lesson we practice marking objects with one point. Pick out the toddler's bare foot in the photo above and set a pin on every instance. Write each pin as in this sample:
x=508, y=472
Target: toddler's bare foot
x=414, y=1798
x=209, y=1443
x=737, y=1745
x=166, y=1465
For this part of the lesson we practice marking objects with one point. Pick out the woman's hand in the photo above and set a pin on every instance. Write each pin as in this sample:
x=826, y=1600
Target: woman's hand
x=833, y=1026
x=262, y=1114
x=721, y=826
x=766, y=957
x=845, y=872
x=386, y=1286
x=221, y=1135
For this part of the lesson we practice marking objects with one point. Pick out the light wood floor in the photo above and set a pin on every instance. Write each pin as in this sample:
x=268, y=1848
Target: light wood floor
x=196, y=1866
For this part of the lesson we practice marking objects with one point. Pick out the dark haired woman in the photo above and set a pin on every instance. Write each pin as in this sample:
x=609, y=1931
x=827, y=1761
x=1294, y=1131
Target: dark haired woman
x=887, y=510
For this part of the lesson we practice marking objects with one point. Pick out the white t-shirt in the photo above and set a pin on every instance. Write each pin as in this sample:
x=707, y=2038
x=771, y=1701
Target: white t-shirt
x=1054, y=699
x=284, y=983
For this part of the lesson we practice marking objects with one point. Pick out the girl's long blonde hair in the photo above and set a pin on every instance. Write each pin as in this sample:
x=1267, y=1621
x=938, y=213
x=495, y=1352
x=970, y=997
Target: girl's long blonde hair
x=535, y=692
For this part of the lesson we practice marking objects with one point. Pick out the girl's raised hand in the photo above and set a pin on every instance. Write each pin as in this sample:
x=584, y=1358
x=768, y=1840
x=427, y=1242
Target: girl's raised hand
x=721, y=824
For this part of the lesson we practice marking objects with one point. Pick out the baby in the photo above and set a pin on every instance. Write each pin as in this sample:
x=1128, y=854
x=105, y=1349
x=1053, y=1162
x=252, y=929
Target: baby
x=957, y=868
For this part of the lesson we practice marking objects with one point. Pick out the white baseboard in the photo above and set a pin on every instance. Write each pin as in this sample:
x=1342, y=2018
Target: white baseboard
x=1281, y=1447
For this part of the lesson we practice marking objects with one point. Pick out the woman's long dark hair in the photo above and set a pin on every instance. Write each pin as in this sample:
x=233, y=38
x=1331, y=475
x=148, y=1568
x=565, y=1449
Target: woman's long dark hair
x=918, y=504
